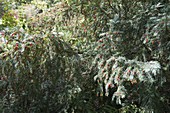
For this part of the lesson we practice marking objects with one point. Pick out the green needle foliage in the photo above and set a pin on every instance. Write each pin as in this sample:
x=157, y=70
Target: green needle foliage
x=85, y=56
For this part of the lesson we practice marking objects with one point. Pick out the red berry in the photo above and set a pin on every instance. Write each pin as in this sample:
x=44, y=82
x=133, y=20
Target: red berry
x=26, y=47
x=85, y=30
x=152, y=42
x=101, y=41
x=98, y=47
x=82, y=25
x=146, y=40
x=128, y=71
x=14, y=34
x=94, y=17
x=110, y=85
x=135, y=73
x=16, y=48
x=102, y=71
x=118, y=78
x=30, y=44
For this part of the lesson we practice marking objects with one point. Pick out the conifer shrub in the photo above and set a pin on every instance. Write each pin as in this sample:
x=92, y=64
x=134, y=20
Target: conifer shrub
x=87, y=56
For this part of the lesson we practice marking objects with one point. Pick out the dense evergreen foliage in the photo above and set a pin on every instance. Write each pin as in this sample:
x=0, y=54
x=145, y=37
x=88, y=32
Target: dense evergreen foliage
x=74, y=56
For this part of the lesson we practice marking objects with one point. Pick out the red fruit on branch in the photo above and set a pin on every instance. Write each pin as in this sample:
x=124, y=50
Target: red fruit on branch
x=85, y=30
x=16, y=44
x=128, y=71
x=102, y=65
x=110, y=86
x=82, y=25
x=30, y=44
x=26, y=47
x=153, y=42
x=103, y=71
x=101, y=41
x=147, y=41
x=100, y=56
x=98, y=47
x=134, y=73
x=143, y=73
x=16, y=48
x=94, y=16
x=118, y=78
x=13, y=34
